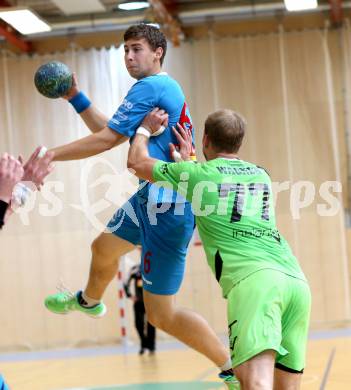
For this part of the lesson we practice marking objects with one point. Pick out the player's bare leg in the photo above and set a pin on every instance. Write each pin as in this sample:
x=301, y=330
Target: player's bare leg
x=284, y=380
x=186, y=325
x=258, y=372
x=106, y=252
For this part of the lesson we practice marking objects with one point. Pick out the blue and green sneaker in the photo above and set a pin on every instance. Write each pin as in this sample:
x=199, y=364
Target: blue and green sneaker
x=229, y=380
x=65, y=301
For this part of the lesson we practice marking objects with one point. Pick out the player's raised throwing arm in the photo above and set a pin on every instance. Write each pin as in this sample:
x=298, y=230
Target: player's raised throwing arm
x=91, y=145
x=92, y=117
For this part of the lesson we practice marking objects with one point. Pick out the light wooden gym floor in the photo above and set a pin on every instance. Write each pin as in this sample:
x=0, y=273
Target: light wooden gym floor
x=328, y=360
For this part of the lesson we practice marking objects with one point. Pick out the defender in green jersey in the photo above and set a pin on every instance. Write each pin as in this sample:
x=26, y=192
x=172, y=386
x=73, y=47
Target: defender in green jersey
x=267, y=292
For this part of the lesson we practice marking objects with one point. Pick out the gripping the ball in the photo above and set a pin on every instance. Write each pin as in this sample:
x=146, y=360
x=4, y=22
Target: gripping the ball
x=53, y=79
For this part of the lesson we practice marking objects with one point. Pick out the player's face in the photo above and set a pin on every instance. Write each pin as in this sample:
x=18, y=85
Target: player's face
x=141, y=61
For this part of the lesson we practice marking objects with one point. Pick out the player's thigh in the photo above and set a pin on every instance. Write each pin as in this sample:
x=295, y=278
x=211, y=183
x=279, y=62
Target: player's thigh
x=254, y=315
x=125, y=222
x=286, y=380
x=164, y=249
x=122, y=232
x=295, y=325
x=110, y=246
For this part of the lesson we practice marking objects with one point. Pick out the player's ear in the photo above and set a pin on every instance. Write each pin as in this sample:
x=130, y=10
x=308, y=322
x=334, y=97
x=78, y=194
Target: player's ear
x=205, y=140
x=159, y=53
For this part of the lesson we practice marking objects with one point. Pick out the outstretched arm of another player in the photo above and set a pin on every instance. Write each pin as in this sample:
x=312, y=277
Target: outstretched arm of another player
x=185, y=150
x=17, y=181
x=11, y=172
x=37, y=168
x=139, y=159
x=92, y=117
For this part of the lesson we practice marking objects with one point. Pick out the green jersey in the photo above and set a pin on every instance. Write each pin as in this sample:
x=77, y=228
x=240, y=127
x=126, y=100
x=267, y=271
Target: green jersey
x=233, y=204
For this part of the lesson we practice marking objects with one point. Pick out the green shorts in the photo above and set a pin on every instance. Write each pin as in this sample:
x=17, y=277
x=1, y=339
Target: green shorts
x=269, y=310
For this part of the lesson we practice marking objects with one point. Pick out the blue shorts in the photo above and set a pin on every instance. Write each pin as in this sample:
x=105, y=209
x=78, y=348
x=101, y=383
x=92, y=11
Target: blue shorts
x=164, y=238
x=3, y=385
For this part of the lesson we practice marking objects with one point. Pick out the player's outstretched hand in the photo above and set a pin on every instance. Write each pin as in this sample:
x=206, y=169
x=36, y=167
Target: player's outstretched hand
x=11, y=172
x=74, y=90
x=185, y=142
x=37, y=168
x=155, y=119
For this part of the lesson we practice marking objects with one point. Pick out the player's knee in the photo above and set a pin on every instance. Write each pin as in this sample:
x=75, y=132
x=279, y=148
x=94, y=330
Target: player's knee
x=96, y=248
x=99, y=250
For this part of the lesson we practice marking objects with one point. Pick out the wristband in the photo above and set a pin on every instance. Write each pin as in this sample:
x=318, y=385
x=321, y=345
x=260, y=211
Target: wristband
x=42, y=152
x=143, y=131
x=80, y=102
x=177, y=156
x=20, y=195
x=158, y=132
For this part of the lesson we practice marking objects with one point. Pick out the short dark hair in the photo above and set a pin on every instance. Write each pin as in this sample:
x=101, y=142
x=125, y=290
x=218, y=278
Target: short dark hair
x=225, y=130
x=153, y=35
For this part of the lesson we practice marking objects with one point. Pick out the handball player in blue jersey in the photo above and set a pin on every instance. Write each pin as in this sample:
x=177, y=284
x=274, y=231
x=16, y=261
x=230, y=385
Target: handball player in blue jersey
x=165, y=240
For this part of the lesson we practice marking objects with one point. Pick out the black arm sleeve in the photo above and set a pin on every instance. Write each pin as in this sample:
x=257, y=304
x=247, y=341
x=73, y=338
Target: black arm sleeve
x=3, y=208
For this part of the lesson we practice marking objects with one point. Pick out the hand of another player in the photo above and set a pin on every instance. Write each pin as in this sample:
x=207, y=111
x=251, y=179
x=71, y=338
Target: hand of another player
x=11, y=172
x=74, y=90
x=155, y=119
x=185, y=142
x=36, y=168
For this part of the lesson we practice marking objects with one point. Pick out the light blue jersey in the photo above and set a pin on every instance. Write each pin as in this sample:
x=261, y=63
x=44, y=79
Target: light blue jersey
x=164, y=237
x=161, y=91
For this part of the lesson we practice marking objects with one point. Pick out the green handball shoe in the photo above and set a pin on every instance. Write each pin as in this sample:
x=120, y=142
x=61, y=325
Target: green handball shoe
x=65, y=302
x=229, y=380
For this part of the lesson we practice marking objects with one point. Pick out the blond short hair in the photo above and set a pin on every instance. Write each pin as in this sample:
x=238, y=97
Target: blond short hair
x=225, y=129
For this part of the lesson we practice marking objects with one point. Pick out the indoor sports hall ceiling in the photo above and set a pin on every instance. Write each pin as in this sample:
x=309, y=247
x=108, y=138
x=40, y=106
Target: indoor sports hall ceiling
x=67, y=17
x=50, y=8
x=188, y=11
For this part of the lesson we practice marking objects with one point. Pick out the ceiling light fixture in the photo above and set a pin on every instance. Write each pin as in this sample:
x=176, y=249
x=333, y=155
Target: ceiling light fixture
x=75, y=7
x=24, y=20
x=300, y=5
x=133, y=5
